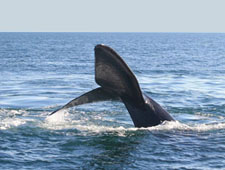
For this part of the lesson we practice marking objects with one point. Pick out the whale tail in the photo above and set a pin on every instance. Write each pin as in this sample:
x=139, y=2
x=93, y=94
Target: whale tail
x=119, y=83
x=115, y=78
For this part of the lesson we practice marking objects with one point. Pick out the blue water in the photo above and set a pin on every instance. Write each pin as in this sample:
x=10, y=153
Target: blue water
x=39, y=72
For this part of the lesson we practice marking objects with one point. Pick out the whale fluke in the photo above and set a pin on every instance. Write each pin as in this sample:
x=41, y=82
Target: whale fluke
x=96, y=95
x=119, y=83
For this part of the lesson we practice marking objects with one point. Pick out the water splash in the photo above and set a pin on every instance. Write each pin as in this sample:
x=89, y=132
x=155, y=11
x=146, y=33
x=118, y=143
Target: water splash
x=94, y=124
x=9, y=118
x=177, y=126
x=84, y=124
x=11, y=122
x=57, y=117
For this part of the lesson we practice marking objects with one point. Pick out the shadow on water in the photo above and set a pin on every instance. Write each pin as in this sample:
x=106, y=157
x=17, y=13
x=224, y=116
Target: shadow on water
x=114, y=151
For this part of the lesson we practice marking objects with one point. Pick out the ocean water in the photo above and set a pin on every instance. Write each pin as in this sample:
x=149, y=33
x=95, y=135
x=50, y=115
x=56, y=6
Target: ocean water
x=39, y=72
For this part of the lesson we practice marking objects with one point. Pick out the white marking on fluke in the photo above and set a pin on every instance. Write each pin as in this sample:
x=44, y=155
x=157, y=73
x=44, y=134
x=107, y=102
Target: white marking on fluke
x=58, y=117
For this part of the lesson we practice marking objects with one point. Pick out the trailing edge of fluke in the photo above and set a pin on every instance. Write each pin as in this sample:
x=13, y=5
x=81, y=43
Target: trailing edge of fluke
x=117, y=82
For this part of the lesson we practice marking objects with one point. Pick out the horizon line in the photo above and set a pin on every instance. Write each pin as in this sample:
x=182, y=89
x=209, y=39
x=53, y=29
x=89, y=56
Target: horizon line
x=109, y=32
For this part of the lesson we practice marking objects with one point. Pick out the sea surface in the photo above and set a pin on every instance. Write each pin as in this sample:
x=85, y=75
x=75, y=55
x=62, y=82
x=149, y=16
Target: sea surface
x=40, y=72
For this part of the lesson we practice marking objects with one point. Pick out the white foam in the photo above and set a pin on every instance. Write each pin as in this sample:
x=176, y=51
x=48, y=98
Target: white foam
x=87, y=124
x=11, y=122
x=101, y=129
x=88, y=127
x=5, y=112
x=208, y=127
x=9, y=119
x=176, y=125
x=61, y=120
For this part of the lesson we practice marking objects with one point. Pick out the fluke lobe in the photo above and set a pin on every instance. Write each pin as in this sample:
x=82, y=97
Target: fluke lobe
x=117, y=82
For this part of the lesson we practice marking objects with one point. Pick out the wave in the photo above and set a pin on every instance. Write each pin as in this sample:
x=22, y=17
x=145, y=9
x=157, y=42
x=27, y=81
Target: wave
x=9, y=118
x=58, y=121
x=176, y=125
x=62, y=121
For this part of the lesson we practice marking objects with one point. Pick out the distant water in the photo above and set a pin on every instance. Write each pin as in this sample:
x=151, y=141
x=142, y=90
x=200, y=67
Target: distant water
x=39, y=72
